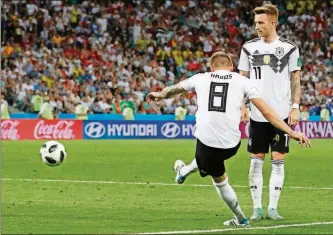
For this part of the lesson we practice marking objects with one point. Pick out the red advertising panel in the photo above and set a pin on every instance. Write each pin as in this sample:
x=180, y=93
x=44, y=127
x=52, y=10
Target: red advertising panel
x=20, y=129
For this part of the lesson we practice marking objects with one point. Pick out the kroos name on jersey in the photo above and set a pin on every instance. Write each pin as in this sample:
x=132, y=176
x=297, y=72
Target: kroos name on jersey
x=214, y=75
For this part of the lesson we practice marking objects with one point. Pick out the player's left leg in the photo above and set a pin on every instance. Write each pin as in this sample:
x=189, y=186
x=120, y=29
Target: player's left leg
x=182, y=170
x=279, y=147
x=258, y=145
x=275, y=185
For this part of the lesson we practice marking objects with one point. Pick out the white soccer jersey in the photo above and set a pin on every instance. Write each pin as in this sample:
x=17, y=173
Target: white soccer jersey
x=270, y=65
x=219, y=98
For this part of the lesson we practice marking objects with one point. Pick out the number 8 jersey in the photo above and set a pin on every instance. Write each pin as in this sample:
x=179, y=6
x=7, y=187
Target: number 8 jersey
x=270, y=65
x=219, y=97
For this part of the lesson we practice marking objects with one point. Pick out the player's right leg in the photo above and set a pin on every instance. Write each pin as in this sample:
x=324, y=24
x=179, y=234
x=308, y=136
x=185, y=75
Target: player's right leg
x=258, y=145
x=279, y=147
x=228, y=195
x=182, y=170
x=211, y=162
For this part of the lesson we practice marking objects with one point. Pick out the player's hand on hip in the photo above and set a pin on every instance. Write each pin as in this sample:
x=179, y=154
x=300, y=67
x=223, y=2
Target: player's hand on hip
x=293, y=117
x=244, y=115
x=301, y=138
x=154, y=96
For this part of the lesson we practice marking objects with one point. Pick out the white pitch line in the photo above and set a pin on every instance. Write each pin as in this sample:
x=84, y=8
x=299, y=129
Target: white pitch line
x=242, y=228
x=146, y=183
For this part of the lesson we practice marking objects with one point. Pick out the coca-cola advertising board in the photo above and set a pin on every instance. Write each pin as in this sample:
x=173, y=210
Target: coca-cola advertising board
x=41, y=129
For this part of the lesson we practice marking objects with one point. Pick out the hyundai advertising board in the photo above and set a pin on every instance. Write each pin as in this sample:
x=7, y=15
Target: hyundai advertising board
x=138, y=130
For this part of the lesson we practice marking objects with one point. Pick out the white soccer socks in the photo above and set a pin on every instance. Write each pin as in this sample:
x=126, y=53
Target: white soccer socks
x=188, y=169
x=226, y=192
x=256, y=181
x=276, y=183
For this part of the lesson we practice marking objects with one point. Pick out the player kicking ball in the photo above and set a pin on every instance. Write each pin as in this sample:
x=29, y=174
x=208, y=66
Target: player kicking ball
x=219, y=95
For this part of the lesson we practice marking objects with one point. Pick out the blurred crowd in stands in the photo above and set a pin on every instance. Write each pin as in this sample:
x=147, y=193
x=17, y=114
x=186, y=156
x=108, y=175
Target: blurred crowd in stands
x=103, y=56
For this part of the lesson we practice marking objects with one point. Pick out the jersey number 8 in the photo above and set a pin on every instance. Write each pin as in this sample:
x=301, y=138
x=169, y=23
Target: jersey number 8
x=218, y=97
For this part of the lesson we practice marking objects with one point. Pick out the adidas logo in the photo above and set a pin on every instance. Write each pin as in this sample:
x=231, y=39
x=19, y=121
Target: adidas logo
x=256, y=52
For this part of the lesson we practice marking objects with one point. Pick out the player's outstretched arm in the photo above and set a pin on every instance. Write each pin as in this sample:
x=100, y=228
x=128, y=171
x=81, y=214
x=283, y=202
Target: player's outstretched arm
x=166, y=93
x=244, y=114
x=244, y=73
x=270, y=114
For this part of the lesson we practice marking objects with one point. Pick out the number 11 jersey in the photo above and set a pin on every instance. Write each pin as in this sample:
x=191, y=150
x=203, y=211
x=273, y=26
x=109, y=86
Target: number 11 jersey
x=270, y=65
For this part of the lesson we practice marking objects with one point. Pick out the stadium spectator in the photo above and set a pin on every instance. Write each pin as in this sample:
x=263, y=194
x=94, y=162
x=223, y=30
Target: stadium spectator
x=46, y=111
x=180, y=113
x=304, y=115
x=4, y=108
x=128, y=113
x=324, y=113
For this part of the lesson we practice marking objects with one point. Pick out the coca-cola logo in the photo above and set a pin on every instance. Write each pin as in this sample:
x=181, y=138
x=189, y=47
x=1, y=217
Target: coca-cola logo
x=9, y=130
x=59, y=130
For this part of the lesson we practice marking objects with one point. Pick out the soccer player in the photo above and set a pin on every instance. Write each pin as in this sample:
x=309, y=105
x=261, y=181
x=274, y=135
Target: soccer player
x=220, y=95
x=273, y=64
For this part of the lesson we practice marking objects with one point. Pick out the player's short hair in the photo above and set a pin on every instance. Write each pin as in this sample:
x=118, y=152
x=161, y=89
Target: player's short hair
x=220, y=59
x=268, y=9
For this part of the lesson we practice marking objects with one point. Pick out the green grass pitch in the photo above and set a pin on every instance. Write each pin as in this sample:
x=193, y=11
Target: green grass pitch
x=127, y=186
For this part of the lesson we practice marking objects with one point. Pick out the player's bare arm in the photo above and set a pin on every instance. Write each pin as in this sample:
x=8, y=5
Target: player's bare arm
x=270, y=114
x=244, y=113
x=245, y=73
x=296, y=86
x=166, y=93
x=295, y=96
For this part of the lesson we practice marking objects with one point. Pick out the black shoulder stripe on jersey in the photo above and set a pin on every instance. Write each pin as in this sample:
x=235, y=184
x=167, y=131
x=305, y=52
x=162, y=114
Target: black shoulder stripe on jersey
x=246, y=51
x=288, y=41
x=253, y=40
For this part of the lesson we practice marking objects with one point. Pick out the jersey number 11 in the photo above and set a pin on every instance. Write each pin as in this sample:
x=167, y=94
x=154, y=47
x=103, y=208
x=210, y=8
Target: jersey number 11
x=257, y=71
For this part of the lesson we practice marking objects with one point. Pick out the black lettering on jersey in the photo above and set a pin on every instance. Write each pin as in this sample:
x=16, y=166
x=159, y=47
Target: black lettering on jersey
x=228, y=76
x=218, y=90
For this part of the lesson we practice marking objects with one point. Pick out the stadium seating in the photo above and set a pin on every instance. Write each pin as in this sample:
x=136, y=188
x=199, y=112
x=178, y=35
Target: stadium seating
x=102, y=54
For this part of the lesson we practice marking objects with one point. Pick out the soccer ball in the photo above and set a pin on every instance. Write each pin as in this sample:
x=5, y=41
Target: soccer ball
x=53, y=153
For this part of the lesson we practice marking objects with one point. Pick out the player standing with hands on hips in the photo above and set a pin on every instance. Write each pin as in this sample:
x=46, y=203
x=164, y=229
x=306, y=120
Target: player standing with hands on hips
x=273, y=64
x=220, y=95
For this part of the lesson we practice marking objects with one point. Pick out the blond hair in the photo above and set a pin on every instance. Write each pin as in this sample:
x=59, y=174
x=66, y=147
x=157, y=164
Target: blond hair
x=268, y=9
x=220, y=59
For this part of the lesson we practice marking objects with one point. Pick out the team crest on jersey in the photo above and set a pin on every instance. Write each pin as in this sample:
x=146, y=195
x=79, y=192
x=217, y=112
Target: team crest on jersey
x=279, y=51
x=267, y=59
